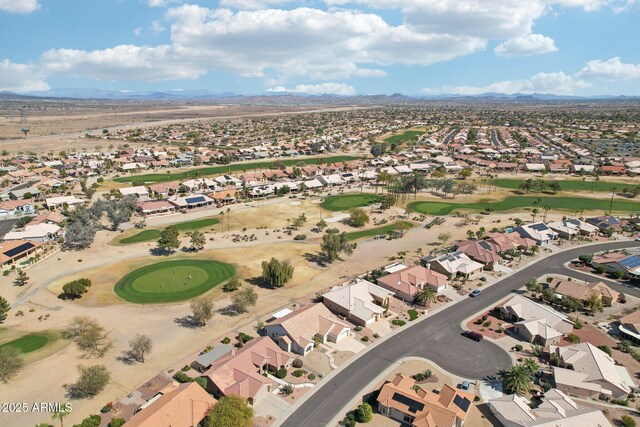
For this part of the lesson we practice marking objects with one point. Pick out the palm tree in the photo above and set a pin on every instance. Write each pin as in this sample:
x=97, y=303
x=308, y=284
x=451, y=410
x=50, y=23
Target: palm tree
x=531, y=365
x=222, y=221
x=426, y=295
x=59, y=415
x=517, y=379
x=546, y=209
x=613, y=193
x=228, y=218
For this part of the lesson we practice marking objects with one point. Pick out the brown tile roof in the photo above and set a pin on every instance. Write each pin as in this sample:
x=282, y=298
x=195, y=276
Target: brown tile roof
x=413, y=276
x=303, y=324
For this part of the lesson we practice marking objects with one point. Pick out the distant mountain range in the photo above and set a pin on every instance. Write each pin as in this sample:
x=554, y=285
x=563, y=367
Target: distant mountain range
x=290, y=97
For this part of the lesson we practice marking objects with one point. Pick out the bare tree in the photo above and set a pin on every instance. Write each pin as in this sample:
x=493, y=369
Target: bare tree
x=202, y=309
x=88, y=335
x=139, y=346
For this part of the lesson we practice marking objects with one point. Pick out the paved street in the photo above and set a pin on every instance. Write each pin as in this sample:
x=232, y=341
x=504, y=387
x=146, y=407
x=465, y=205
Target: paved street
x=436, y=338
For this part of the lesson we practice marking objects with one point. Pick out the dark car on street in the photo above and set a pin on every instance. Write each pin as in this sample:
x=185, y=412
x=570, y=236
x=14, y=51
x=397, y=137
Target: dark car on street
x=476, y=336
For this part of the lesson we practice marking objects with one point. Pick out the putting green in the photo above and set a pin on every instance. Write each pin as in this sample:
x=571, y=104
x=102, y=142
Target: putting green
x=28, y=343
x=172, y=281
x=349, y=201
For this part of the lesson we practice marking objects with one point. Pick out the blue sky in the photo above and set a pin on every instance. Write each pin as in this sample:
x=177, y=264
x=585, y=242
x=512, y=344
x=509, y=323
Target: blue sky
x=578, y=47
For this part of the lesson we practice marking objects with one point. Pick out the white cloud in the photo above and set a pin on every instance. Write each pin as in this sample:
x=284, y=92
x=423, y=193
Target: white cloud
x=19, y=6
x=556, y=83
x=20, y=77
x=318, y=89
x=124, y=62
x=612, y=69
x=137, y=31
x=156, y=27
x=532, y=44
x=594, y=5
x=160, y=3
x=251, y=4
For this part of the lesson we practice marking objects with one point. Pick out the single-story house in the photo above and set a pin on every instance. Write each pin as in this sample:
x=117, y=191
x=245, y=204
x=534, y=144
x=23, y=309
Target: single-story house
x=407, y=282
x=630, y=327
x=206, y=359
x=481, y=251
x=13, y=250
x=585, y=370
x=539, y=232
x=53, y=202
x=155, y=207
x=453, y=264
x=362, y=302
x=42, y=232
x=297, y=331
x=191, y=202
x=17, y=207
x=583, y=292
x=535, y=322
x=570, y=228
x=400, y=400
x=138, y=191
x=628, y=265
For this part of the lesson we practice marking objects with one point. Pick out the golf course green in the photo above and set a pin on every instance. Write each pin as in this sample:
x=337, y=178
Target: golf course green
x=519, y=202
x=218, y=170
x=345, y=202
x=154, y=233
x=569, y=185
x=28, y=343
x=401, y=138
x=172, y=281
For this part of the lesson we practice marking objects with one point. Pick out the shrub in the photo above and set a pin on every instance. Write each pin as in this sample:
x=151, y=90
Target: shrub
x=358, y=328
x=244, y=338
x=105, y=409
x=300, y=237
x=365, y=338
x=376, y=335
x=487, y=323
x=573, y=338
x=185, y=368
x=577, y=324
x=488, y=267
x=484, y=317
x=364, y=413
x=600, y=269
x=297, y=363
x=622, y=298
x=311, y=376
x=621, y=402
x=298, y=373
x=627, y=421
x=116, y=422
x=181, y=377
x=518, y=347
x=226, y=340
x=281, y=373
x=606, y=349
x=286, y=389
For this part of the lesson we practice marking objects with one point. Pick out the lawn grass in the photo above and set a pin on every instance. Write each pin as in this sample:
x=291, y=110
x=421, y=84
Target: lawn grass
x=401, y=138
x=413, y=314
x=398, y=322
x=28, y=343
x=154, y=233
x=401, y=225
x=569, y=185
x=519, y=202
x=343, y=202
x=172, y=281
x=218, y=170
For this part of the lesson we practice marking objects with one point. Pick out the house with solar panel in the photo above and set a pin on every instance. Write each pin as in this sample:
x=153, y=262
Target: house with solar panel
x=606, y=224
x=628, y=265
x=14, y=251
x=539, y=232
x=191, y=202
x=400, y=400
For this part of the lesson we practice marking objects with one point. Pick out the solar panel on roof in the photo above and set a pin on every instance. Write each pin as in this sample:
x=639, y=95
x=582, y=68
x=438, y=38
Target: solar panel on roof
x=613, y=220
x=198, y=199
x=19, y=249
x=485, y=245
x=413, y=405
x=461, y=402
x=539, y=226
x=630, y=262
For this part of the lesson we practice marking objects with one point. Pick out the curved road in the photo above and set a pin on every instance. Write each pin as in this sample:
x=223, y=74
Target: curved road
x=437, y=338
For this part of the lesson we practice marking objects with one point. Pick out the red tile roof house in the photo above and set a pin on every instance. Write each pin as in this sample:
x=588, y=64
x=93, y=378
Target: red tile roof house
x=296, y=331
x=408, y=282
x=185, y=406
x=399, y=400
x=479, y=250
x=240, y=371
x=155, y=207
x=584, y=292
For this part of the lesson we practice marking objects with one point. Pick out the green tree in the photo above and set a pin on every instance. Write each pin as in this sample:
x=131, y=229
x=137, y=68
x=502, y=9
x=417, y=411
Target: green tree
x=59, y=415
x=627, y=421
x=232, y=285
x=202, y=310
x=334, y=243
x=90, y=421
x=11, y=363
x=92, y=380
x=322, y=224
x=4, y=309
x=168, y=240
x=533, y=286
x=231, y=411
x=387, y=202
x=76, y=288
x=198, y=239
x=517, y=379
x=358, y=217
x=426, y=295
x=243, y=299
x=364, y=413
x=276, y=273
x=531, y=365
x=22, y=278
x=116, y=422
x=444, y=237
x=595, y=303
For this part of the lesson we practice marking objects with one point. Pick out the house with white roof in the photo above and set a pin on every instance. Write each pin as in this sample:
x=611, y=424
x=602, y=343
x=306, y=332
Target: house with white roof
x=539, y=231
x=585, y=370
x=138, y=191
x=556, y=409
x=570, y=228
x=297, y=331
x=53, y=202
x=534, y=322
x=191, y=202
x=454, y=264
x=361, y=302
x=331, y=180
x=42, y=232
